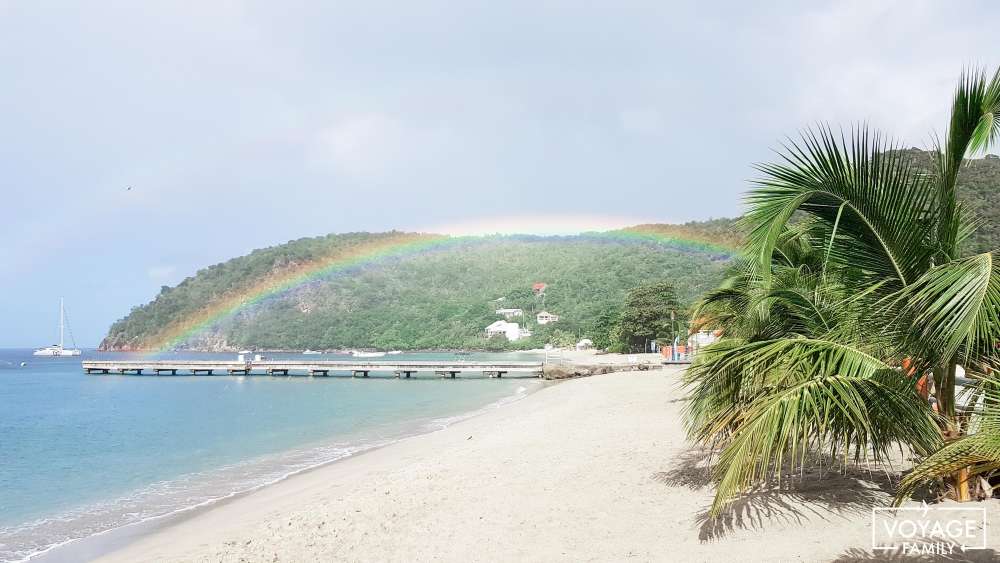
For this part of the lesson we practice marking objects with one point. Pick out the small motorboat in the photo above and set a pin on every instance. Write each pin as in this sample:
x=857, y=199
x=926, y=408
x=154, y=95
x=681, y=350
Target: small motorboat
x=359, y=354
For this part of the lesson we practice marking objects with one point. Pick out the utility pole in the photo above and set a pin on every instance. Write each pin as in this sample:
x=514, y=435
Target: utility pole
x=673, y=337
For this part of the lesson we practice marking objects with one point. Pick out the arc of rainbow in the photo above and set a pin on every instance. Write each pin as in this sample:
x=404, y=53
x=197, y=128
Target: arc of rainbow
x=394, y=246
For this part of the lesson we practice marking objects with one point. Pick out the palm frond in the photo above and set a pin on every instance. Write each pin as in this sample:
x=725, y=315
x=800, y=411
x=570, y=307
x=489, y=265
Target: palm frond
x=852, y=265
x=729, y=376
x=978, y=452
x=975, y=114
x=861, y=416
x=877, y=199
x=955, y=309
x=974, y=126
x=717, y=397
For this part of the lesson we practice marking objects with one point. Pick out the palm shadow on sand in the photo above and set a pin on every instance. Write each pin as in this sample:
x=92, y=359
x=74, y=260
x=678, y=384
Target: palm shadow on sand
x=865, y=556
x=822, y=493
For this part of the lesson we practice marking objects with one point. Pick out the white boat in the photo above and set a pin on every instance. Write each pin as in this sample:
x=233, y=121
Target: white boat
x=394, y=352
x=310, y=352
x=58, y=349
x=358, y=354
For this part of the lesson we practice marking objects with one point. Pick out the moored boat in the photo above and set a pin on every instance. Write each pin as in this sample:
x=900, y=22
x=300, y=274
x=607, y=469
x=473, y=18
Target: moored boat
x=59, y=349
x=359, y=354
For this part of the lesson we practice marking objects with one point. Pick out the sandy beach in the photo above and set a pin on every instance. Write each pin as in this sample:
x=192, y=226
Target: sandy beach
x=591, y=469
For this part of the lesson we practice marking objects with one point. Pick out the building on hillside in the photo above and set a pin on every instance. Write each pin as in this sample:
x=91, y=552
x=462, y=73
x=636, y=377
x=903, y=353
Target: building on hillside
x=499, y=328
x=538, y=288
x=546, y=317
x=512, y=331
x=510, y=313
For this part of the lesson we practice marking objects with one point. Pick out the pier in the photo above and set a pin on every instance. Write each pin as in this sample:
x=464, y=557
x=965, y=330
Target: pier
x=313, y=368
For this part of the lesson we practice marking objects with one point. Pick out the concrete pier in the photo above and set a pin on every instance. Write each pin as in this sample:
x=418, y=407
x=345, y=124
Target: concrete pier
x=313, y=368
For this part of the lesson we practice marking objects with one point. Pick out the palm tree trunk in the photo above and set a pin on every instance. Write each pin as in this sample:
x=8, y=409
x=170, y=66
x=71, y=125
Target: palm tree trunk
x=944, y=380
x=962, y=485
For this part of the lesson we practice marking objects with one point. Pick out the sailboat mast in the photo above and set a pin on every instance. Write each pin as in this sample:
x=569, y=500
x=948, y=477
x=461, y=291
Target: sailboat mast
x=62, y=322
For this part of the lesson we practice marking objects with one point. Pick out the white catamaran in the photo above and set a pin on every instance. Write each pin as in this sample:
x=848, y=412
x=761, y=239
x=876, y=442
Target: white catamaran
x=57, y=349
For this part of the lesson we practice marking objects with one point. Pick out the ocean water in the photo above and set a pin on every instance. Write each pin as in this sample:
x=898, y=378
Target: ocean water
x=84, y=454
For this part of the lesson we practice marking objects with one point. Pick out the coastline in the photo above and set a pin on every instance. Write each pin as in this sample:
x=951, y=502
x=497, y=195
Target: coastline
x=594, y=468
x=105, y=541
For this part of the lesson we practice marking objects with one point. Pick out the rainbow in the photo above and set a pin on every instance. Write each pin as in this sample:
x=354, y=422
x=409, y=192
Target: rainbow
x=394, y=246
x=673, y=237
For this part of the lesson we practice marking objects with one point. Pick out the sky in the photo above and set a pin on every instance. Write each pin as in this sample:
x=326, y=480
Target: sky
x=240, y=124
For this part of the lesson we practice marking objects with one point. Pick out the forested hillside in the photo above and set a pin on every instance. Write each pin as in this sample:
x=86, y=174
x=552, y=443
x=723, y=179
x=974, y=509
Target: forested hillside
x=979, y=188
x=437, y=299
x=444, y=299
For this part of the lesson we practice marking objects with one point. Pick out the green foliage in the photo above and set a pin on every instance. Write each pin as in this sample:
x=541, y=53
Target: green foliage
x=856, y=259
x=561, y=338
x=441, y=299
x=607, y=330
x=979, y=451
x=978, y=187
x=652, y=312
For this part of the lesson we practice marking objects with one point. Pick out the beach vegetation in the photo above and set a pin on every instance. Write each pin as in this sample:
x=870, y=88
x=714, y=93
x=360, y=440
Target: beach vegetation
x=651, y=313
x=862, y=288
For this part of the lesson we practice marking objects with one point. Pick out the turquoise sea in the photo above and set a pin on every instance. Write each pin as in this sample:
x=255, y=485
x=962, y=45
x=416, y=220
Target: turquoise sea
x=84, y=454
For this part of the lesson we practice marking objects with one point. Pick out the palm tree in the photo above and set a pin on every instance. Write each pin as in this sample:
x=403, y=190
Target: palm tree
x=853, y=263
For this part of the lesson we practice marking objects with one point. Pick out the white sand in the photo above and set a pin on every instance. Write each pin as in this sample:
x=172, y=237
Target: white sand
x=591, y=357
x=593, y=469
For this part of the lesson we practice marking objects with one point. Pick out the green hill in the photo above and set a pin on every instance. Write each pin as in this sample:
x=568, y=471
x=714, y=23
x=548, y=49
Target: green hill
x=444, y=298
x=441, y=298
x=979, y=188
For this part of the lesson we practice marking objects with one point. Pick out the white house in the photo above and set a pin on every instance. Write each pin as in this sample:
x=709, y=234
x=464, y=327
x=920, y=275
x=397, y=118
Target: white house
x=498, y=327
x=510, y=313
x=512, y=331
x=546, y=317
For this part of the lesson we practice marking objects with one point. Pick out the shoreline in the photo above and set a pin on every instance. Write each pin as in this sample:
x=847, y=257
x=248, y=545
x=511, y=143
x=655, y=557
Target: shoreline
x=106, y=541
x=112, y=539
x=596, y=468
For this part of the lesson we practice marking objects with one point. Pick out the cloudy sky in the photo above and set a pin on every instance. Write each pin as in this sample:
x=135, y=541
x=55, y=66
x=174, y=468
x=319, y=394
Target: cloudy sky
x=245, y=124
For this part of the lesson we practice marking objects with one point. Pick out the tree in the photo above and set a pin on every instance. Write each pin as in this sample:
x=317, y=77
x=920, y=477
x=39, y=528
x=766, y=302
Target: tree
x=604, y=325
x=853, y=289
x=562, y=339
x=651, y=313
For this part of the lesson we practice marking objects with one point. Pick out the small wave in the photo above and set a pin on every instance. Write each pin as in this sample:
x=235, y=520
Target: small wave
x=163, y=499
x=444, y=422
x=196, y=490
